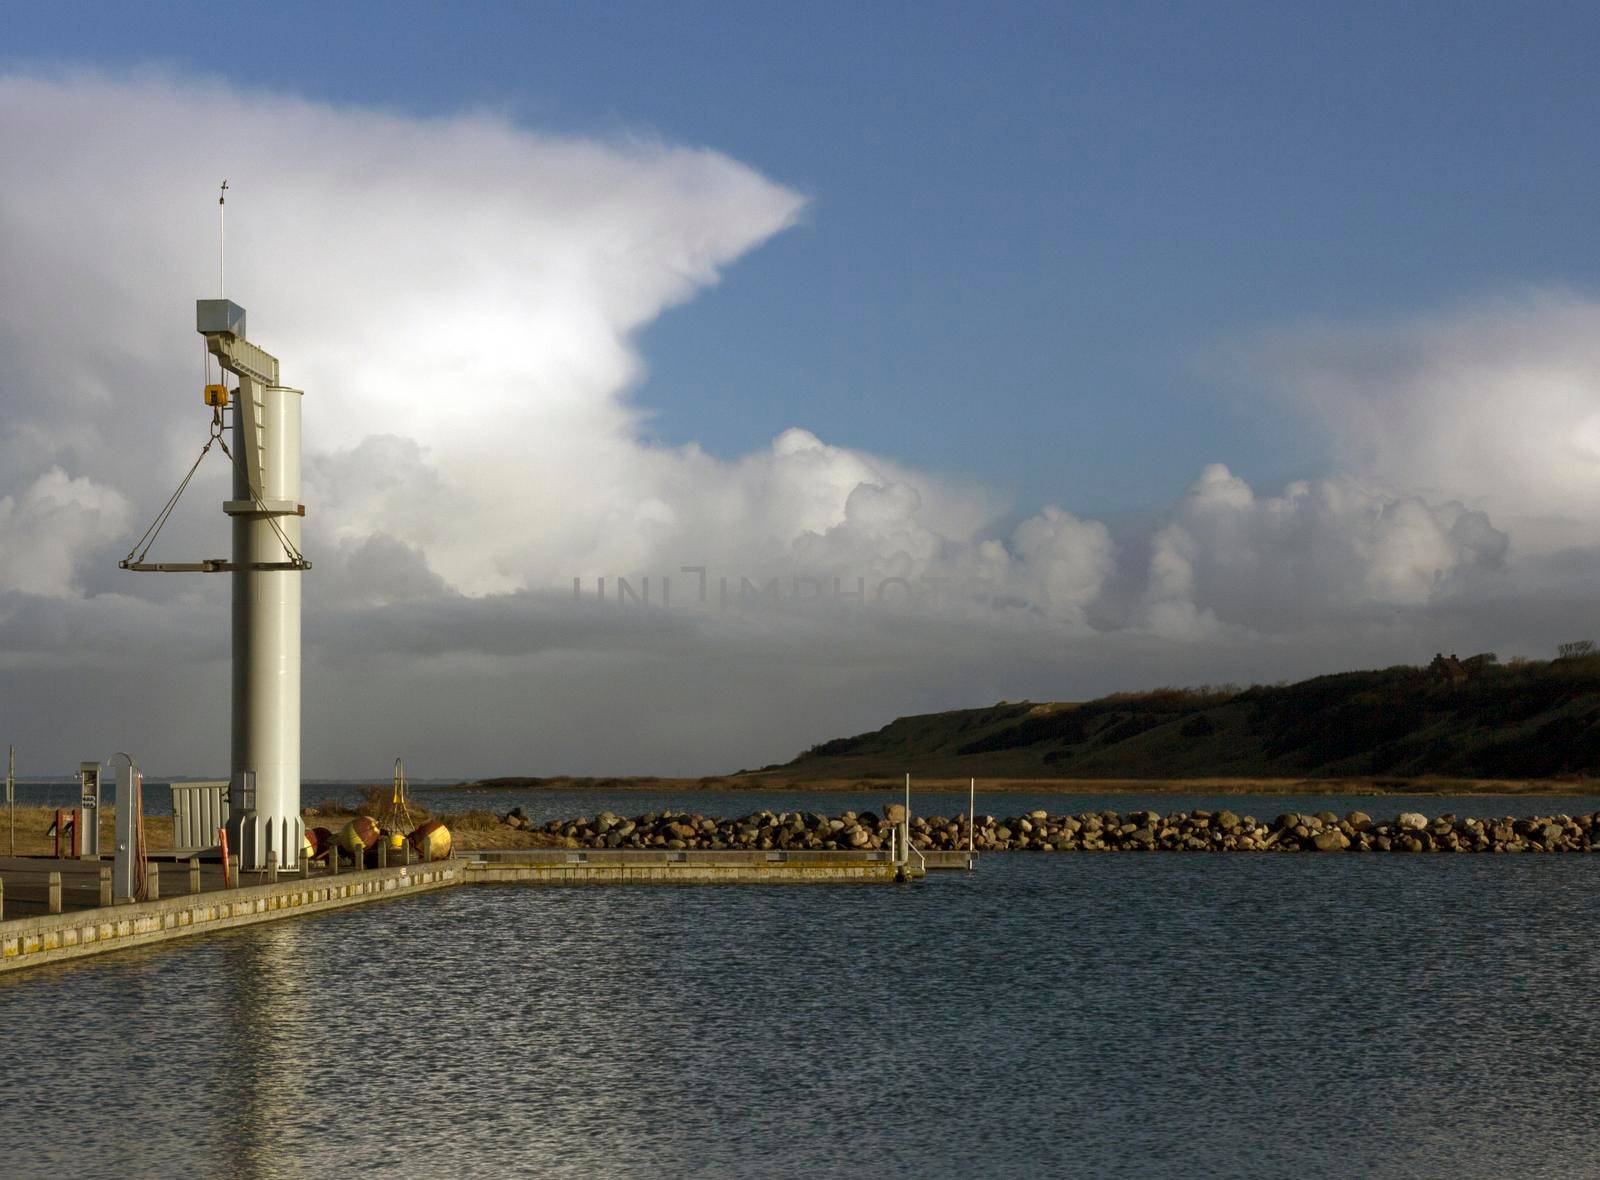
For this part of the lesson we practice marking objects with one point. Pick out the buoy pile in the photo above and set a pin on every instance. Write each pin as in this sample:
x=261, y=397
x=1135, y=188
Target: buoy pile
x=358, y=842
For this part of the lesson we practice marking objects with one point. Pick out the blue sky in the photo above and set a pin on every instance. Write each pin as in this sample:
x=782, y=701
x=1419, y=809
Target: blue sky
x=1031, y=227
x=1188, y=343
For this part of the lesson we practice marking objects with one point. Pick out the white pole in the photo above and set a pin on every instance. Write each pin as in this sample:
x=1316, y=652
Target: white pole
x=972, y=811
x=266, y=634
x=905, y=826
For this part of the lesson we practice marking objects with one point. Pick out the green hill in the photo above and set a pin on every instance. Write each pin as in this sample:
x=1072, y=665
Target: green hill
x=1526, y=720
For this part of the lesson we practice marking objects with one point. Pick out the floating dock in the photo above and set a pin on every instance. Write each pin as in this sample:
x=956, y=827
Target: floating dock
x=196, y=901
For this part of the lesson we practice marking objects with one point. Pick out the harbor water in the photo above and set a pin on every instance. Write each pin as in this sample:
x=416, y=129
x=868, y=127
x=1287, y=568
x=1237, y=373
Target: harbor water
x=1074, y=1015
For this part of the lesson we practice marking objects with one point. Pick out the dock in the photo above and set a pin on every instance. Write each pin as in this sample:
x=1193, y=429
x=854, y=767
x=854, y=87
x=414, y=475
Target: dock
x=65, y=919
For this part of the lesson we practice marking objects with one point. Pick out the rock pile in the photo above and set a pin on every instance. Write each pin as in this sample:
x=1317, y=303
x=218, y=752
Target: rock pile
x=1101, y=831
x=1227, y=831
x=760, y=830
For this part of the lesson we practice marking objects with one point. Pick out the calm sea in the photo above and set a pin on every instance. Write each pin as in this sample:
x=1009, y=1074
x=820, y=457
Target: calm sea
x=1166, y=1016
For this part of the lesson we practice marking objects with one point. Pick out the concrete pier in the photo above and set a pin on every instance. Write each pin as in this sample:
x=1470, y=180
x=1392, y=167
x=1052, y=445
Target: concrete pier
x=55, y=937
x=52, y=938
x=561, y=866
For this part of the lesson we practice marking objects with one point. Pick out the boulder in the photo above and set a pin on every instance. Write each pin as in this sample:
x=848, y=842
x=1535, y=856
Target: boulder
x=1412, y=821
x=1359, y=821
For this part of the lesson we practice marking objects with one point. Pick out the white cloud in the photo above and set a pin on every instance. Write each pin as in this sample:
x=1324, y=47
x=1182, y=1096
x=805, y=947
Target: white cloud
x=1496, y=404
x=1322, y=549
x=48, y=527
x=459, y=298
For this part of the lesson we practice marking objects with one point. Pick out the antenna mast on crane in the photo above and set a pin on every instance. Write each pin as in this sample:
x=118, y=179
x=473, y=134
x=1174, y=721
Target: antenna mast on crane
x=222, y=240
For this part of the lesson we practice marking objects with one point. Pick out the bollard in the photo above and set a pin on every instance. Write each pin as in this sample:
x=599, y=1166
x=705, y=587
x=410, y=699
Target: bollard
x=194, y=874
x=152, y=882
x=272, y=868
x=383, y=851
x=2, y=899
x=427, y=850
x=333, y=860
x=305, y=865
x=55, y=893
x=405, y=854
x=105, y=885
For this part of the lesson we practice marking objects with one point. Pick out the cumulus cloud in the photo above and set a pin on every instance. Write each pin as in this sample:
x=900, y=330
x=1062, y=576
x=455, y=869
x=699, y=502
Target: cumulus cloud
x=460, y=299
x=48, y=527
x=1320, y=549
x=1495, y=403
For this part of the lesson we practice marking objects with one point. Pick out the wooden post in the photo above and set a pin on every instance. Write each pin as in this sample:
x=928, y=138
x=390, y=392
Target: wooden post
x=333, y=860
x=272, y=868
x=105, y=885
x=427, y=850
x=152, y=882
x=222, y=838
x=383, y=851
x=2, y=899
x=405, y=853
x=61, y=826
x=55, y=893
x=305, y=865
x=194, y=874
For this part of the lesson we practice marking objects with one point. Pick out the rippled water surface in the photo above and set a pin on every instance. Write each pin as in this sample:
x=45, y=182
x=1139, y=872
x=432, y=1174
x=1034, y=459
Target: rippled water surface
x=1047, y=1015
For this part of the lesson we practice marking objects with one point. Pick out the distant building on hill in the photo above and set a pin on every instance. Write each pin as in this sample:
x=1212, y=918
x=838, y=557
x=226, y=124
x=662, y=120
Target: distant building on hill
x=1448, y=669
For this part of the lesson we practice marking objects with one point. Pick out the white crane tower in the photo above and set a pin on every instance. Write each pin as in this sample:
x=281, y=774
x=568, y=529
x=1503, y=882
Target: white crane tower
x=264, y=780
x=264, y=772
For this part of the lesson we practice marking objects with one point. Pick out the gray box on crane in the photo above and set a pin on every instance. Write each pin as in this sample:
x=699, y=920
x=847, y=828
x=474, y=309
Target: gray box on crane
x=212, y=316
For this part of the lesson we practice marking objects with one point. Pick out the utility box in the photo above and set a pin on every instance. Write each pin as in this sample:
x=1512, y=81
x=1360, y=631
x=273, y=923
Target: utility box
x=198, y=810
x=88, y=820
x=218, y=316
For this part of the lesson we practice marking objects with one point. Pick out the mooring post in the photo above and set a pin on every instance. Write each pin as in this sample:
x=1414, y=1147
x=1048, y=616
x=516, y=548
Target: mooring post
x=194, y=874
x=305, y=866
x=2, y=899
x=383, y=851
x=152, y=882
x=55, y=893
x=272, y=868
x=333, y=860
x=405, y=854
x=105, y=885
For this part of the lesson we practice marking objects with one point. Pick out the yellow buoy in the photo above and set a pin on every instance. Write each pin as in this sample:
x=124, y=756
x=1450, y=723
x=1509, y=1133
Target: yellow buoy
x=432, y=841
x=358, y=835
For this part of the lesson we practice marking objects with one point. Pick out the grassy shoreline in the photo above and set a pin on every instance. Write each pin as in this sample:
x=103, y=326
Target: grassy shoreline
x=737, y=784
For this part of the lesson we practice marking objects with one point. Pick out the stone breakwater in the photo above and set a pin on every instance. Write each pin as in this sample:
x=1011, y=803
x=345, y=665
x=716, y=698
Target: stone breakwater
x=1102, y=831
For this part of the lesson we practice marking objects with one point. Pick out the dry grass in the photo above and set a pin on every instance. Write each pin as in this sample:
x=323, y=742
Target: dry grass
x=34, y=822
